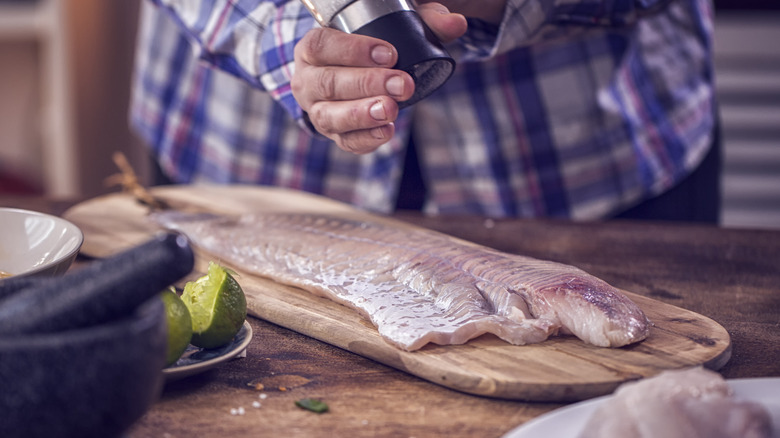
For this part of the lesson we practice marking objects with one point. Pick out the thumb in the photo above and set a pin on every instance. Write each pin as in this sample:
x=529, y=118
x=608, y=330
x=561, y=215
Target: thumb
x=445, y=25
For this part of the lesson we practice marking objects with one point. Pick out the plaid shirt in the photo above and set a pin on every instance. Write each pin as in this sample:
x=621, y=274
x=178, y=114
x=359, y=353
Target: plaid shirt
x=569, y=108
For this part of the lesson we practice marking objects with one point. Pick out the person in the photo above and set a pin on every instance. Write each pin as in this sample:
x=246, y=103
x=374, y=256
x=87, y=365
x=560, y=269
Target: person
x=580, y=109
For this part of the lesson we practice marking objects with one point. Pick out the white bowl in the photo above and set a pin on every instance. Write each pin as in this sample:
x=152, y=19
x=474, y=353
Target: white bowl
x=36, y=244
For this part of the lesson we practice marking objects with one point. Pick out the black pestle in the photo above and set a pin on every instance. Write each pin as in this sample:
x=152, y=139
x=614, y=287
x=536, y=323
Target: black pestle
x=102, y=291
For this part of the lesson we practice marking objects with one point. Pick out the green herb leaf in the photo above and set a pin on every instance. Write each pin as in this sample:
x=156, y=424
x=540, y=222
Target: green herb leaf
x=313, y=405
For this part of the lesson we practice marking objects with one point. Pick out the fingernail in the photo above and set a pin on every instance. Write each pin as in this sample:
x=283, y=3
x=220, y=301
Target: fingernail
x=395, y=86
x=381, y=55
x=377, y=111
x=378, y=133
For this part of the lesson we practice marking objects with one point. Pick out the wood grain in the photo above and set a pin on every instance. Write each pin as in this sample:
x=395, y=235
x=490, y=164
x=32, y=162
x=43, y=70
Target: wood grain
x=560, y=369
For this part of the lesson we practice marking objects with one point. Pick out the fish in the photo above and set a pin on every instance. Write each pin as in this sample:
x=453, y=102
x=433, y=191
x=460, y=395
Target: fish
x=418, y=286
x=684, y=403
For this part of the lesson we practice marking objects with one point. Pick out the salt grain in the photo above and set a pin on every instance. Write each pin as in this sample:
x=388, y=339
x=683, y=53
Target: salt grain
x=256, y=404
x=263, y=396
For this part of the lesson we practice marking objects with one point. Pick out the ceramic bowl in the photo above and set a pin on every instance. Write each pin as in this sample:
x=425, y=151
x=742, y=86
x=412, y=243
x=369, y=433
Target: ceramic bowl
x=36, y=244
x=88, y=382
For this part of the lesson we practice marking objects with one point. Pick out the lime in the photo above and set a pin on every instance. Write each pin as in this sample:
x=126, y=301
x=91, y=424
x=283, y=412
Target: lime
x=179, y=325
x=217, y=305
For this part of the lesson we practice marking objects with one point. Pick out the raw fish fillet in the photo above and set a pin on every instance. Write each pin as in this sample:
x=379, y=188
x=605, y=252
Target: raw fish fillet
x=419, y=286
x=692, y=403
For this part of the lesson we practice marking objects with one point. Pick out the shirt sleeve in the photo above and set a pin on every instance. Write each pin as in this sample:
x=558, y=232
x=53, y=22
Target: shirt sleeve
x=528, y=22
x=251, y=39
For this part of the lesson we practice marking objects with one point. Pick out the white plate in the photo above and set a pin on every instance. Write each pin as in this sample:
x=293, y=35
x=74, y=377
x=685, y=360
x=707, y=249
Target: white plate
x=568, y=422
x=33, y=243
x=197, y=360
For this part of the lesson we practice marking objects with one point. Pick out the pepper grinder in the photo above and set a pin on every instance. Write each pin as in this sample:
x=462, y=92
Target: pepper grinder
x=420, y=53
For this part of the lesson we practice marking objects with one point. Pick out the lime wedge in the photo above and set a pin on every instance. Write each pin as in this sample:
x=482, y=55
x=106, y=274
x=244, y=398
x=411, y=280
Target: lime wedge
x=179, y=325
x=217, y=305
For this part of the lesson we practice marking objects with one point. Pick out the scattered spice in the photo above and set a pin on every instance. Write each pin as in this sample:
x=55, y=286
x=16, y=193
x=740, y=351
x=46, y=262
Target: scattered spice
x=281, y=382
x=313, y=405
x=256, y=385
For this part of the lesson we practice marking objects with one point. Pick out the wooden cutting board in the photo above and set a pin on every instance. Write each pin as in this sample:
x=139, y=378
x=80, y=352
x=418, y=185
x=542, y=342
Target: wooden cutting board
x=559, y=369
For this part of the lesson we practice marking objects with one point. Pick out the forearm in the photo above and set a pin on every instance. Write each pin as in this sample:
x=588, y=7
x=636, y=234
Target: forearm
x=252, y=40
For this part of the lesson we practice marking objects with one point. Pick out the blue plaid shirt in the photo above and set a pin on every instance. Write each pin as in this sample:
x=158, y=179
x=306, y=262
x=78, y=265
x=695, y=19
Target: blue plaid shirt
x=569, y=108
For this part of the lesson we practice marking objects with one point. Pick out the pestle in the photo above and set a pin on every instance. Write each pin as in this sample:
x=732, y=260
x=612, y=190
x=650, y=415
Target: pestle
x=102, y=291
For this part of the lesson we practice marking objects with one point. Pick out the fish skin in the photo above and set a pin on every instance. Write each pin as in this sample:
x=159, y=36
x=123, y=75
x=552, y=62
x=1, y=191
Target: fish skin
x=419, y=286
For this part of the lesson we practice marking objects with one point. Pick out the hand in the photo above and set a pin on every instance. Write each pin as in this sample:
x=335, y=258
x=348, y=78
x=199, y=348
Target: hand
x=346, y=85
x=491, y=11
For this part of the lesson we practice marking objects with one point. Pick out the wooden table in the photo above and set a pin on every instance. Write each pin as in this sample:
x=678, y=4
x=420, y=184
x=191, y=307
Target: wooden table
x=731, y=276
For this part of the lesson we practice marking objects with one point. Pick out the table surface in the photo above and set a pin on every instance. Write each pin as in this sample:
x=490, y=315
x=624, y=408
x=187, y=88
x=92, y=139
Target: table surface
x=729, y=275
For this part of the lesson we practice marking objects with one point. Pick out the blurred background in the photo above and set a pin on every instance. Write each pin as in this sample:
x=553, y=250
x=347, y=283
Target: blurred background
x=66, y=65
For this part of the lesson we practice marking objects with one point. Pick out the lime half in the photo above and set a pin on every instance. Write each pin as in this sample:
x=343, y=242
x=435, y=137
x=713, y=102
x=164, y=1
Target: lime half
x=179, y=325
x=217, y=305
